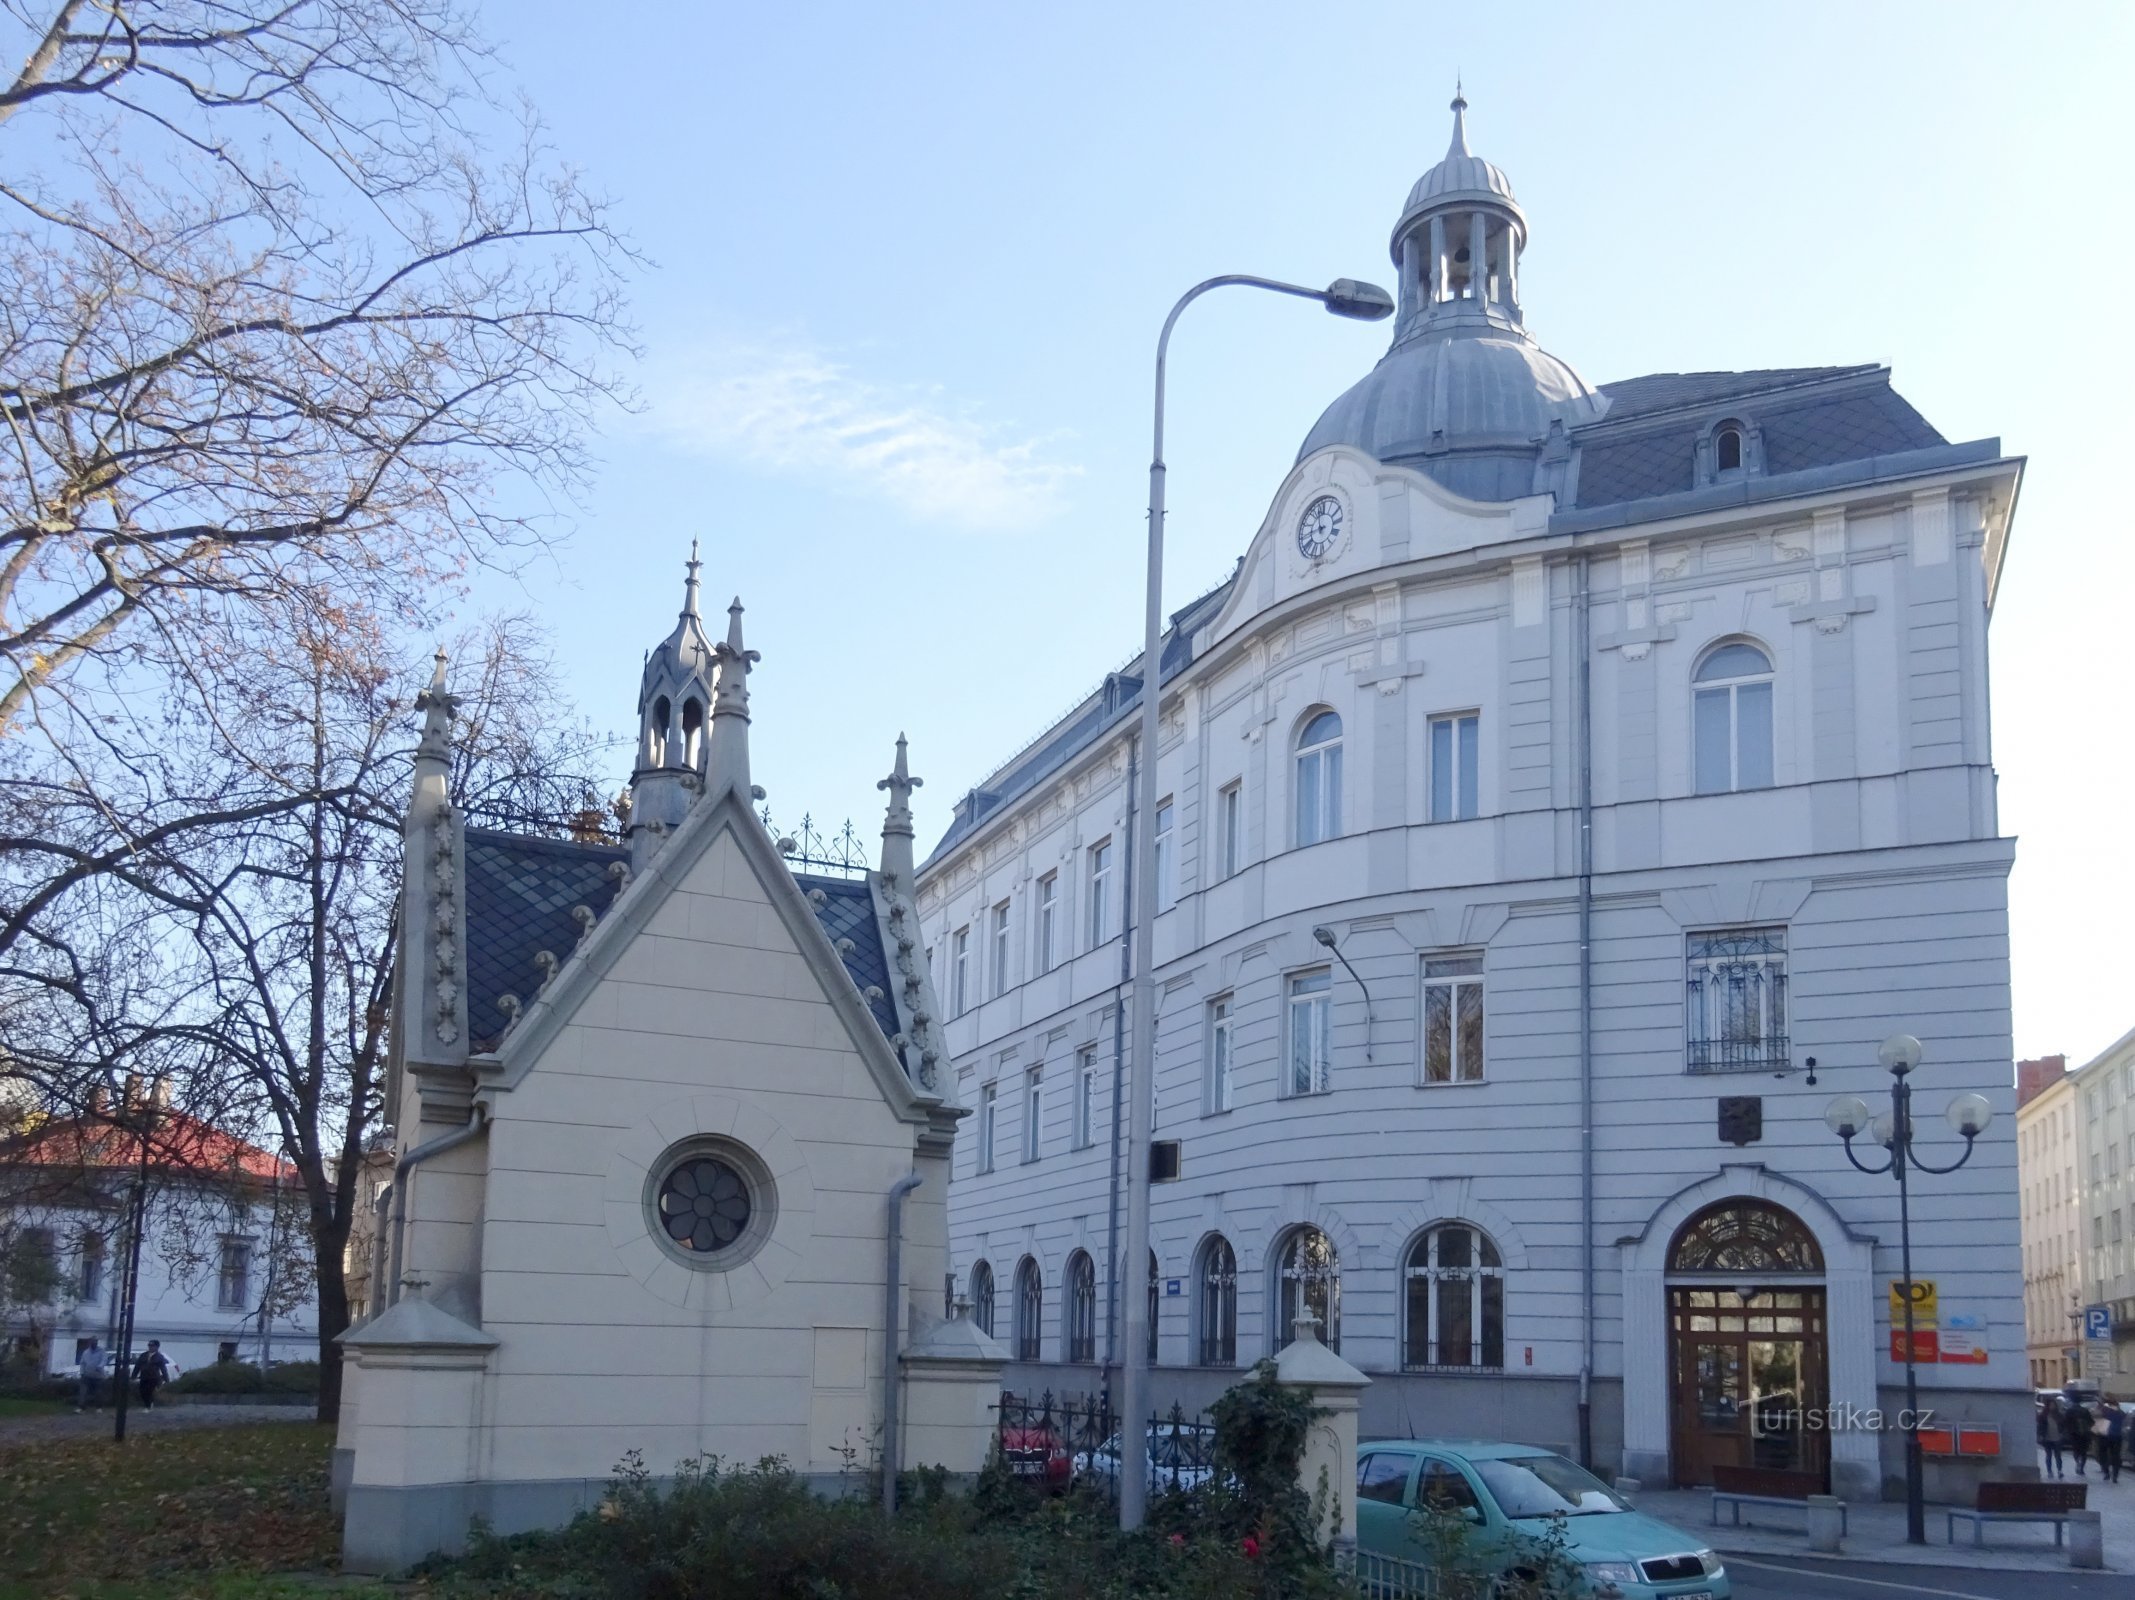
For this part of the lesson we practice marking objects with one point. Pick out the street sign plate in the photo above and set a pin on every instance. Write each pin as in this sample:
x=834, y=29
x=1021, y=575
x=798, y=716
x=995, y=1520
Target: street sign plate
x=2097, y=1322
x=2098, y=1358
x=1924, y=1306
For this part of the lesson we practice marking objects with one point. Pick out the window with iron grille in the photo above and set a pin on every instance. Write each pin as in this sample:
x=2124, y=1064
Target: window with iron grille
x=1218, y=1276
x=1455, y=1301
x=1030, y=1309
x=1737, y=1000
x=1081, y=1307
x=1308, y=1280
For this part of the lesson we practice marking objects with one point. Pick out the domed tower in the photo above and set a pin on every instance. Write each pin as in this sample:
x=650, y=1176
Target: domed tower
x=674, y=702
x=1464, y=393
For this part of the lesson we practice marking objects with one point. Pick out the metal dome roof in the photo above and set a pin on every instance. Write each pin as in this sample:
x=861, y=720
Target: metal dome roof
x=1473, y=389
x=1461, y=176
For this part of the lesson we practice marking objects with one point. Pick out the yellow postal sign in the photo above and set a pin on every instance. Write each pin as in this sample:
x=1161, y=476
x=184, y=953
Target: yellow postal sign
x=1924, y=1304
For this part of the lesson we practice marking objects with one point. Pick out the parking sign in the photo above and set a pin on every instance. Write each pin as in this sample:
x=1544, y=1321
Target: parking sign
x=2097, y=1322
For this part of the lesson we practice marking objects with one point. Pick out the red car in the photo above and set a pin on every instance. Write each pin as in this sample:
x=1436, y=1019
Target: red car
x=1037, y=1454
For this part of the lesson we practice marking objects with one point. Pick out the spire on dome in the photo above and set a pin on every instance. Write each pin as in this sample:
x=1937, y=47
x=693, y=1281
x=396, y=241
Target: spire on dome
x=1459, y=146
x=689, y=585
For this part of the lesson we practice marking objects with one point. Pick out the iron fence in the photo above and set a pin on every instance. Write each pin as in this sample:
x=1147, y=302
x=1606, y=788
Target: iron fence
x=1388, y=1577
x=1054, y=1443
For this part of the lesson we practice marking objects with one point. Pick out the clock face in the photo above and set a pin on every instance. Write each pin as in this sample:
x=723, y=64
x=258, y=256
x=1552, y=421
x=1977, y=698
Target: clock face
x=1319, y=527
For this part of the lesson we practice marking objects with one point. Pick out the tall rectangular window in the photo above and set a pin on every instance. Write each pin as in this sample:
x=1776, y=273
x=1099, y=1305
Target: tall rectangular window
x=1100, y=892
x=988, y=1110
x=1453, y=1019
x=1033, y=1111
x=1230, y=829
x=1455, y=745
x=1737, y=1000
x=959, y=971
x=1085, y=1097
x=233, y=1277
x=1220, y=1087
x=1048, y=921
x=1309, y=1057
x=1166, y=889
x=1000, y=949
x=91, y=1262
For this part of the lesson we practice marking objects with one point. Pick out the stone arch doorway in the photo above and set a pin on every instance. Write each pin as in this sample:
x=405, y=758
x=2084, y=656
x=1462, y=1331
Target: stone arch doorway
x=1748, y=1345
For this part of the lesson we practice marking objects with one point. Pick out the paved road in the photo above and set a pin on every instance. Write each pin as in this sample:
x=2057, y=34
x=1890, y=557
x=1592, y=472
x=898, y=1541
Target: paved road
x=1776, y=1578
x=164, y=1419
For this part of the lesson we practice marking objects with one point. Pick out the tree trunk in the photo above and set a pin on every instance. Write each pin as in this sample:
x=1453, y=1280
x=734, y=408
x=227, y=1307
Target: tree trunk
x=333, y=1316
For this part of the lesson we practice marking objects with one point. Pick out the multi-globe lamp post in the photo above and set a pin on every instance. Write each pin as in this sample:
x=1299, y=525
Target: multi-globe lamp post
x=1345, y=297
x=1848, y=1116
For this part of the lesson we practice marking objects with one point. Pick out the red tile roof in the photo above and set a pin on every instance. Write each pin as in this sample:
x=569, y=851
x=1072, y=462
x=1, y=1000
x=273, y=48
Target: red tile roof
x=177, y=1143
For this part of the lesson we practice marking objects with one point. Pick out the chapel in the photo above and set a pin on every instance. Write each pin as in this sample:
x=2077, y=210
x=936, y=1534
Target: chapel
x=672, y=1140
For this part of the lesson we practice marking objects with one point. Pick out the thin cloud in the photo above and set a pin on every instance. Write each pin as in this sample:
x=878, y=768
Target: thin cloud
x=799, y=412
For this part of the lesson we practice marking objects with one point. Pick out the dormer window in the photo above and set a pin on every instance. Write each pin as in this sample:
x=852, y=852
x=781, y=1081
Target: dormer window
x=1727, y=450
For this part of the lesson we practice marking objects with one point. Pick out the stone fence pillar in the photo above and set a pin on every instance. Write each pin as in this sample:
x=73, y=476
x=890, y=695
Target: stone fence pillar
x=1333, y=1386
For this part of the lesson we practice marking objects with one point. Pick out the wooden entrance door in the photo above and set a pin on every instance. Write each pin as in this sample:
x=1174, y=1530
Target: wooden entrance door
x=1750, y=1381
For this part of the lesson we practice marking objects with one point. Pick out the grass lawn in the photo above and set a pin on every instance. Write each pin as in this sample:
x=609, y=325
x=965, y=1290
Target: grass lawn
x=202, y=1514
x=30, y=1408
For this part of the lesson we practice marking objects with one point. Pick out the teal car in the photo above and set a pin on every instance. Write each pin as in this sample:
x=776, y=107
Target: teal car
x=1507, y=1495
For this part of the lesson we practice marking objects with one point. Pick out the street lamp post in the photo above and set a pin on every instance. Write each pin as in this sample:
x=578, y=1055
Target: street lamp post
x=1345, y=297
x=1847, y=1116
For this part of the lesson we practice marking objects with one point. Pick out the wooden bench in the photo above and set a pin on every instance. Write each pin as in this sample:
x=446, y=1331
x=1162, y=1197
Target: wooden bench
x=1736, y=1487
x=2019, y=1502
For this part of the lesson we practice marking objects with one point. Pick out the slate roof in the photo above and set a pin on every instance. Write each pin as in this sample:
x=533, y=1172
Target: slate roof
x=1809, y=417
x=520, y=891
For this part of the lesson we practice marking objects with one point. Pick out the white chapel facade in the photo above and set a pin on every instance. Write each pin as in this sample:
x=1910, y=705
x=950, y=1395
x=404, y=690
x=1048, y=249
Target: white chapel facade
x=1565, y=770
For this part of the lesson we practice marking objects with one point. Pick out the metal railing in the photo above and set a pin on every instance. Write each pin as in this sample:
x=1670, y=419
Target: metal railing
x=1388, y=1577
x=1057, y=1442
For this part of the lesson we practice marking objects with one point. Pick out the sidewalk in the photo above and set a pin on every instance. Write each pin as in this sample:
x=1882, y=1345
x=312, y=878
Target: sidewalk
x=1876, y=1531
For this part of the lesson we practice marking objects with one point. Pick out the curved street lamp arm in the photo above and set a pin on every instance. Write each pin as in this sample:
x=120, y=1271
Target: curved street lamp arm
x=1163, y=340
x=1858, y=1162
x=1952, y=1167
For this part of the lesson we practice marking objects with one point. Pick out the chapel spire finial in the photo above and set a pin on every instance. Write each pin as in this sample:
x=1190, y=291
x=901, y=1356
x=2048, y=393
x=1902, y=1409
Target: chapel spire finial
x=439, y=705
x=689, y=586
x=897, y=867
x=729, y=749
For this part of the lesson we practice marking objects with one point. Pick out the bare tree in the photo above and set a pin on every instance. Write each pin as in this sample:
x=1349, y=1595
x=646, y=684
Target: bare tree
x=271, y=317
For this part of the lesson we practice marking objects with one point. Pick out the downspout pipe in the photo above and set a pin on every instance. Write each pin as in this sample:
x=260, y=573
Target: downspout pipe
x=477, y=1121
x=1582, y=628
x=893, y=1285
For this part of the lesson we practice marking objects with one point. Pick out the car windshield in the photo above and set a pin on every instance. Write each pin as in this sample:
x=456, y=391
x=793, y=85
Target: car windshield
x=1545, y=1486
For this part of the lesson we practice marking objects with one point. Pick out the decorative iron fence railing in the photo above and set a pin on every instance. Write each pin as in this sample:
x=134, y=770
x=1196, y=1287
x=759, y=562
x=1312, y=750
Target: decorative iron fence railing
x=1389, y=1577
x=1052, y=1442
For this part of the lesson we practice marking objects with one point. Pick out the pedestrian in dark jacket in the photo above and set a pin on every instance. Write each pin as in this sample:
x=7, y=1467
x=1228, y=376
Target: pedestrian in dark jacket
x=2110, y=1442
x=149, y=1371
x=2076, y=1429
x=2049, y=1426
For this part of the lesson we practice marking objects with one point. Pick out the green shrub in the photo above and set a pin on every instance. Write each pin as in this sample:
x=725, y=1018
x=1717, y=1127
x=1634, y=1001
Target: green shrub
x=244, y=1377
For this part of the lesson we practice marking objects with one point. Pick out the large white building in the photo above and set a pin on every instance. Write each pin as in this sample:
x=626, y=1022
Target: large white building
x=1564, y=770
x=2102, y=1101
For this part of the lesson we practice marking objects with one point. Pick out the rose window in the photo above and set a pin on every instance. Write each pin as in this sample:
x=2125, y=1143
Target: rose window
x=704, y=1205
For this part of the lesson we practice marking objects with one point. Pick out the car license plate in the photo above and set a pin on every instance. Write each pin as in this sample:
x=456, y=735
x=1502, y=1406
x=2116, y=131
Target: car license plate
x=1033, y=1469
x=1692, y=1594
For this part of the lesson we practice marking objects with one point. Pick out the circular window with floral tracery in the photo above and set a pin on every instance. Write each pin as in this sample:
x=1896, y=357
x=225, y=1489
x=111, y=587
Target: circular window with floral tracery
x=711, y=1203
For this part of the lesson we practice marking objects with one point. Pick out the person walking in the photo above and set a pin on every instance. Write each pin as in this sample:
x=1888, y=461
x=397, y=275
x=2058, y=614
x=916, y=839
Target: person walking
x=2076, y=1429
x=2111, y=1430
x=2049, y=1431
x=149, y=1373
x=89, y=1376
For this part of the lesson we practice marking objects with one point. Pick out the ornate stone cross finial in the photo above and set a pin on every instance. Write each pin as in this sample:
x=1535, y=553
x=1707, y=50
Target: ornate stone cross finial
x=730, y=690
x=439, y=705
x=689, y=587
x=900, y=784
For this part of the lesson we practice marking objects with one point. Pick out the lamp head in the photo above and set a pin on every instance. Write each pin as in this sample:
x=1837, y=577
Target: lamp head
x=1969, y=1114
x=1325, y=936
x=1847, y=1115
x=1361, y=302
x=1884, y=1130
x=1900, y=1053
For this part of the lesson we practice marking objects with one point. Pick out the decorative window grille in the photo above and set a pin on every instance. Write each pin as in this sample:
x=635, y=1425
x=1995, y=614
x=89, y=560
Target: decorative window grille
x=1309, y=1068
x=982, y=1297
x=1030, y=1309
x=1453, y=1019
x=1218, y=1277
x=1309, y=1279
x=1455, y=1300
x=1737, y=1000
x=1319, y=779
x=1081, y=1307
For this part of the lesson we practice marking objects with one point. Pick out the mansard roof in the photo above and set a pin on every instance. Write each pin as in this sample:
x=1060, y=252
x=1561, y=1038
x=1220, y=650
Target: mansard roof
x=521, y=895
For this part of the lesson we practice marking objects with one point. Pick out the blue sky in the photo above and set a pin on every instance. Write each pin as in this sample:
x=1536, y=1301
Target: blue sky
x=910, y=263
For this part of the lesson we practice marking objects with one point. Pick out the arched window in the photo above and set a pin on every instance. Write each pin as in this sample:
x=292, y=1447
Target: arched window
x=982, y=1297
x=1455, y=1300
x=1308, y=1278
x=1731, y=719
x=1319, y=779
x=1727, y=449
x=1030, y=1308
x=657, y=731
x=1154, y=1302
x=1081, y=1307
x=1745, y=1236
x=692, y=732
x=1216, y=1279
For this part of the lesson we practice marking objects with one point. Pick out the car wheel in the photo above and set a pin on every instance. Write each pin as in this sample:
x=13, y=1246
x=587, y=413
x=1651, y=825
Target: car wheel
x=1515, y=1583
